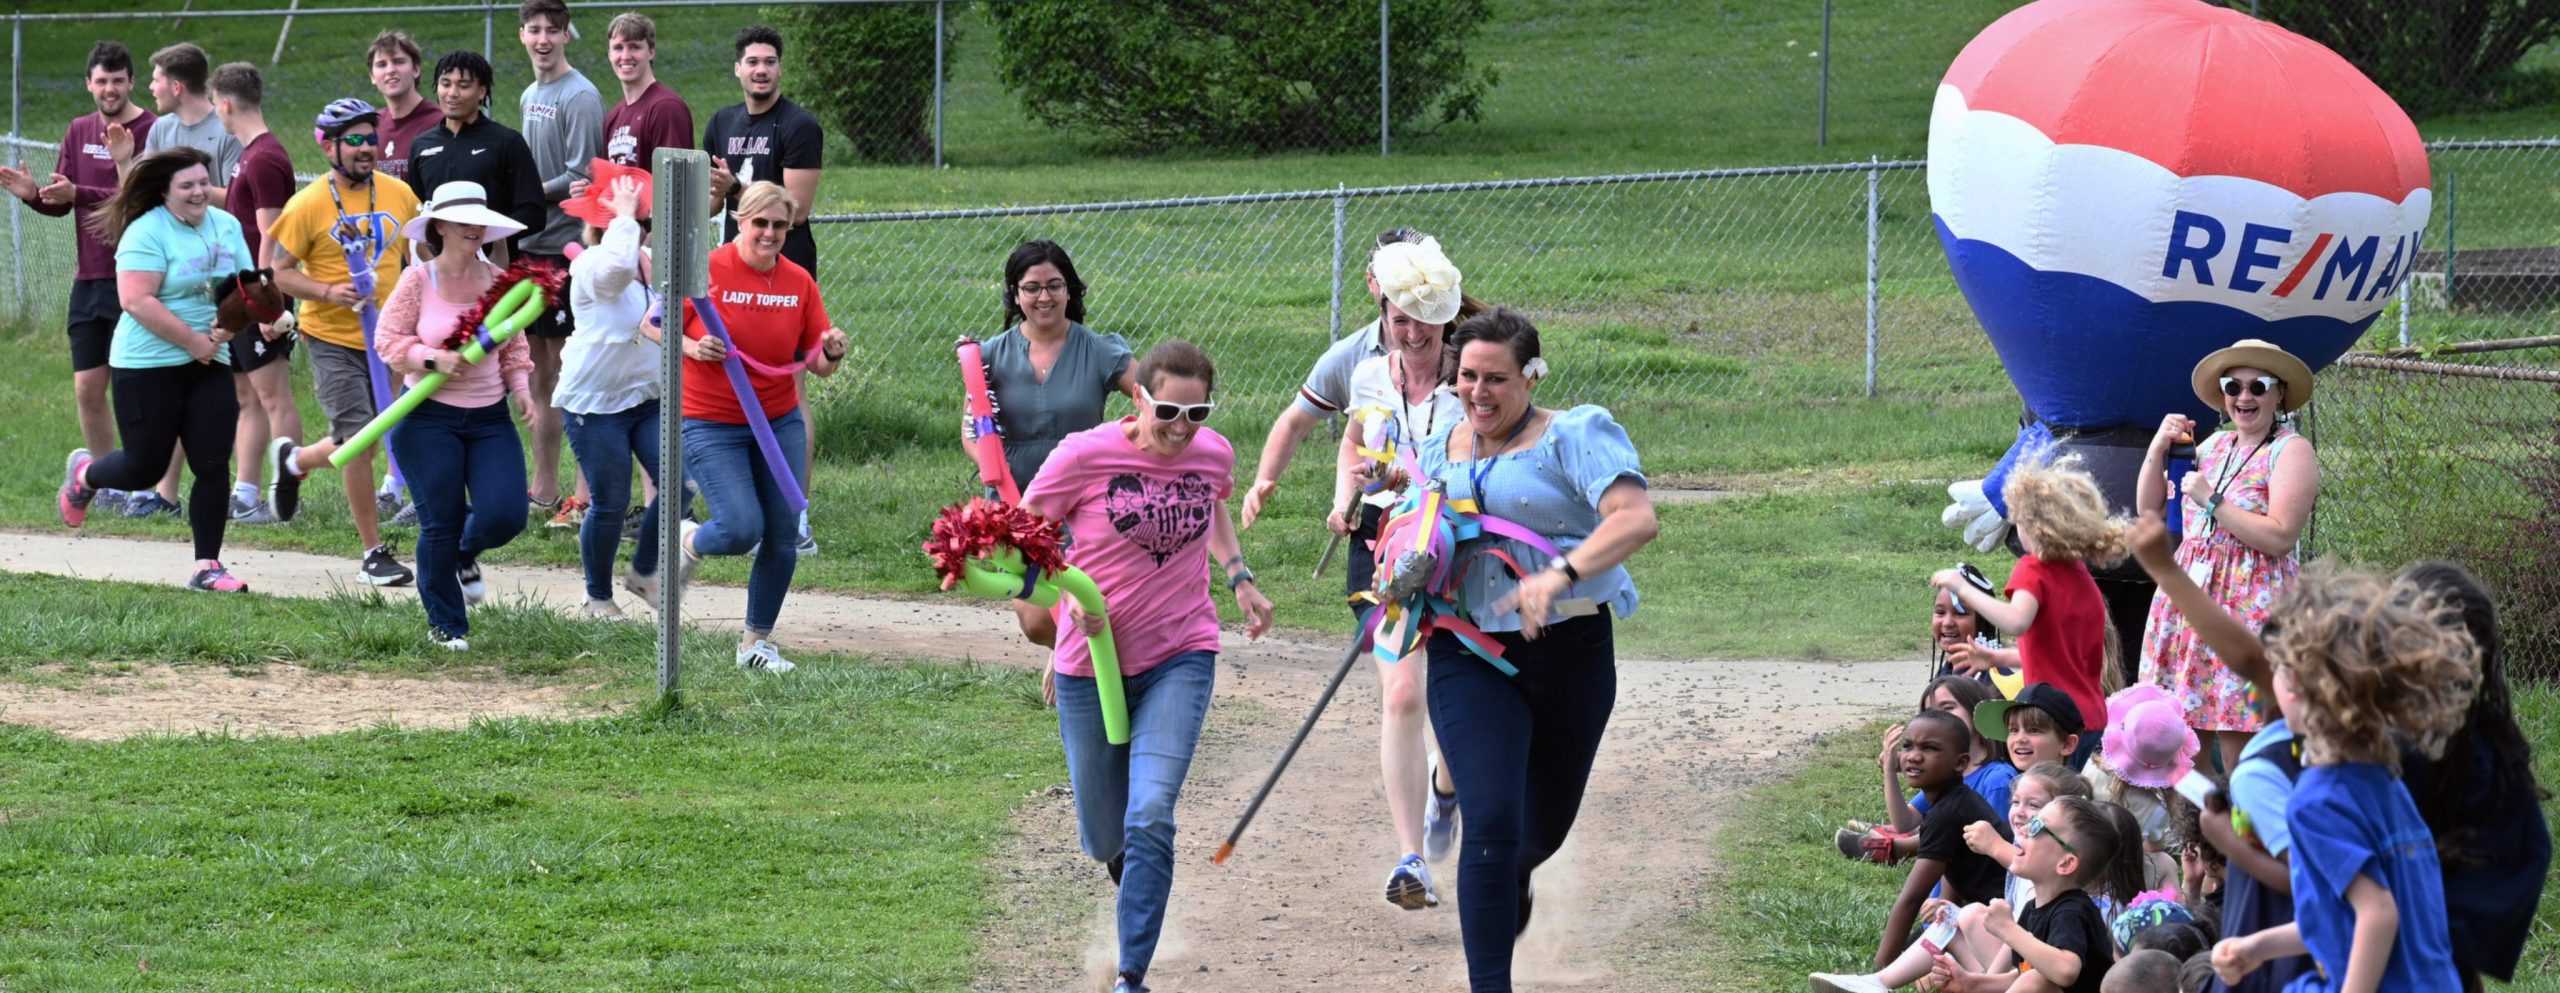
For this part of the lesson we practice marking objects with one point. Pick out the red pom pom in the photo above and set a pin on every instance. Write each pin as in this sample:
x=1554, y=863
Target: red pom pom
x=547, y=279
x=971, y=530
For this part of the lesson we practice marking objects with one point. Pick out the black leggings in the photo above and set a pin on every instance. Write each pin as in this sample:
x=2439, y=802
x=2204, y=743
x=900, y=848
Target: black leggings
x=155, y=410
x=1520, y=750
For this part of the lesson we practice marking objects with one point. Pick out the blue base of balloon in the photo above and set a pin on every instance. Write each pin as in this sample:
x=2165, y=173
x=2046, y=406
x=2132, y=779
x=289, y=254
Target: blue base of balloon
x=2087, y=353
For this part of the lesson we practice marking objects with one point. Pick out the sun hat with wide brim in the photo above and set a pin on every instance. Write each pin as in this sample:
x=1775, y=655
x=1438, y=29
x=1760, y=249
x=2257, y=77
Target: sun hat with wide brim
x=2255, y=354
x=461, y=202
x=2148, y=742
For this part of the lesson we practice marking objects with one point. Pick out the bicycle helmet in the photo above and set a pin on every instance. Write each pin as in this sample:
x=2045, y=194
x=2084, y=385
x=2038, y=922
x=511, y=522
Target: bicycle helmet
x=341, y=114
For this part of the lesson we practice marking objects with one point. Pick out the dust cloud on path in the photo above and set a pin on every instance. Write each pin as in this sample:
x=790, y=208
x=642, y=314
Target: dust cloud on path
x=1300, y=905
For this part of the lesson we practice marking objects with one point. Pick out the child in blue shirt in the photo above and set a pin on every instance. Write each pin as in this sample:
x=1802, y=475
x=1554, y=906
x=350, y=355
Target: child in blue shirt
x=2368, y=897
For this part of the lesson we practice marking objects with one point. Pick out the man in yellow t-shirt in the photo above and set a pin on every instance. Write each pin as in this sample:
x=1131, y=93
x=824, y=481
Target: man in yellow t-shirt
x=351, y=209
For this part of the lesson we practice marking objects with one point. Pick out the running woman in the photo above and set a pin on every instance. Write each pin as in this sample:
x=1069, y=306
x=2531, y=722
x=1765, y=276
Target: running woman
x=1145, y=498
x=351, y=210
x=564, y=125
x=84, y=177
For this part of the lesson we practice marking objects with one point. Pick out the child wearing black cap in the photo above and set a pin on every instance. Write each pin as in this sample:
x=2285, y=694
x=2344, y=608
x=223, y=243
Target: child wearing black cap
x=2041, y=725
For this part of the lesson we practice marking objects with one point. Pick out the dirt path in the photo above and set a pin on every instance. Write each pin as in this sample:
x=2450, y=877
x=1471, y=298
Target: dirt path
x=1300, y=905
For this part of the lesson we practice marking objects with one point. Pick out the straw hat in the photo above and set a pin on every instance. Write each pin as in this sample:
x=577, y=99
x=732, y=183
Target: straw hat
x=2255, y=354
x=2148, y=742
x=1419, y=279
x=461, y=202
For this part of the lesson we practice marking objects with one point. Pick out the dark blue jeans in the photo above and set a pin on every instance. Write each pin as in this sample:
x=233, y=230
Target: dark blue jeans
x=605, y=445
x=1125, y=793
x=466, y=473
x=747, y=506
x=1520, y=750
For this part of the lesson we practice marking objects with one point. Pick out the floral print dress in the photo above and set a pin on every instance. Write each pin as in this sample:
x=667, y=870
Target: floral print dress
x=2244, y=580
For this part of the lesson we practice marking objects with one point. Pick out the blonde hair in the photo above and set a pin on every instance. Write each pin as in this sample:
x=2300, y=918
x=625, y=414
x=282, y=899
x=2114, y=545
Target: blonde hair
x=2369, y=657
x=2059, y=510
x=761, y=196
x=2059, y=780
x=632, y=25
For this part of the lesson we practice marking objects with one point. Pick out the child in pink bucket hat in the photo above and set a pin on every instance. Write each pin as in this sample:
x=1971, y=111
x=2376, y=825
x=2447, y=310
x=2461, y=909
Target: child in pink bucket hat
x=2148, y=743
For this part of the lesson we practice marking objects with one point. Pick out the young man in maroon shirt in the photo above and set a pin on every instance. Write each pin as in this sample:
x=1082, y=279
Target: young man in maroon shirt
x=395, y=63
x=83, y=177
x=261, y=363
x=650, y=116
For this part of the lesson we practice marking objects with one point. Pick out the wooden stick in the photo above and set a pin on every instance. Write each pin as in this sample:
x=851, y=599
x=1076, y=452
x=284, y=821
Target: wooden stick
x=2467, y=347
x=1349, y=658
x=2509, y=373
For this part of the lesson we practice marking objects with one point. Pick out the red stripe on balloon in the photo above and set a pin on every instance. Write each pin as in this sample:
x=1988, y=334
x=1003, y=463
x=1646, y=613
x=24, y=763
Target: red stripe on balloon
x=2285, y=289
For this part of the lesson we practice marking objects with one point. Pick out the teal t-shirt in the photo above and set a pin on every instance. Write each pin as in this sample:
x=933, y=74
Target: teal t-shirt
x=191, y=260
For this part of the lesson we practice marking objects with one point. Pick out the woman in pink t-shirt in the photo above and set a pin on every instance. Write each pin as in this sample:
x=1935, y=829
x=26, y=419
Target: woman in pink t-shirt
x=464, y=461
x=1143, y=497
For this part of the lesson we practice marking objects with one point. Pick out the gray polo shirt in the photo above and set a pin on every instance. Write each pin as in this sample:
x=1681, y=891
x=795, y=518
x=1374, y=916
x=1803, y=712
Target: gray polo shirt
x=564, y=126
x=206, y=135
x=1328, y=386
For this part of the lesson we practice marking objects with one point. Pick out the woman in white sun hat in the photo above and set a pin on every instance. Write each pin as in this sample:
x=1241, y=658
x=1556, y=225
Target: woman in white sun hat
x=2244, y=510
x=1398, y=400
x=464, y=461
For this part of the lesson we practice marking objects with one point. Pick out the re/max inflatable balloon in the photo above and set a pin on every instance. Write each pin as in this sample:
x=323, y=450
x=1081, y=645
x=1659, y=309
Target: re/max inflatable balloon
x=2123, y=186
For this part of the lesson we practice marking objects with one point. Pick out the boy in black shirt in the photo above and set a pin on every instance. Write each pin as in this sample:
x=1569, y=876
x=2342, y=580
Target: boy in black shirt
x=1936, y=749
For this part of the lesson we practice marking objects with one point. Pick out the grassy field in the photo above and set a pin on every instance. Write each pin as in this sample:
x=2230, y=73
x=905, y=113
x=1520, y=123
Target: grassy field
x=710, y=847
x=1762, y=936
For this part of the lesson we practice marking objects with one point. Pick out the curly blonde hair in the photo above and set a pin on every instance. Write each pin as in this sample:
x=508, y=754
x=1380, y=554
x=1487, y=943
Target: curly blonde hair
x=2369, y=657
x=2058, y=509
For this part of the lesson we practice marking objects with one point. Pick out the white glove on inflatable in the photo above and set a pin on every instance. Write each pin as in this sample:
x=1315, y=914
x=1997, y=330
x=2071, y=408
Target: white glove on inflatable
x=1971, y=512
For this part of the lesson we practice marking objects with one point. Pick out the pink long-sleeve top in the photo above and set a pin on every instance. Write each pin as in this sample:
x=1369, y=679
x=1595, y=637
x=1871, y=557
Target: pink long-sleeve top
x=418, y=321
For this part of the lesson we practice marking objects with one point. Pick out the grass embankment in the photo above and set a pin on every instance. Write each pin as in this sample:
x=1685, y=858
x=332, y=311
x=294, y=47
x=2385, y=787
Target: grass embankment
x=826, y=831
x=1788, y=904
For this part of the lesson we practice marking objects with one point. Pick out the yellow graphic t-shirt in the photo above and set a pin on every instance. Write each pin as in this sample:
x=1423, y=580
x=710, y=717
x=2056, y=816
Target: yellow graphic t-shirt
x=311, y=227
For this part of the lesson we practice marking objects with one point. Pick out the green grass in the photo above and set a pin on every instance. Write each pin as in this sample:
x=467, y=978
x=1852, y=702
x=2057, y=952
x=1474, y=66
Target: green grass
x=827, y=831
x=1787, y=904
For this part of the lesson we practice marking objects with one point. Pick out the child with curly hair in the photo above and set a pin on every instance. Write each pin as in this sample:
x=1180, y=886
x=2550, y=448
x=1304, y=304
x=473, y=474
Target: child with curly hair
x=2054, y=608
x=2357, y=663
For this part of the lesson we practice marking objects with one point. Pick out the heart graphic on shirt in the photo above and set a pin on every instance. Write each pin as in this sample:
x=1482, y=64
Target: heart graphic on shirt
x=1160, y=515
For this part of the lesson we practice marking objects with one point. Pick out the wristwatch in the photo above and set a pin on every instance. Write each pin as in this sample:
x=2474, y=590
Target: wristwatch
x=1238, y=578
x=431, y=364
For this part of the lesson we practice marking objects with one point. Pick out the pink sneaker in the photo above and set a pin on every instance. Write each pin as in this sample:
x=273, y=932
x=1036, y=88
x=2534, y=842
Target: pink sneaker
x=211, y=577
x=73, y=498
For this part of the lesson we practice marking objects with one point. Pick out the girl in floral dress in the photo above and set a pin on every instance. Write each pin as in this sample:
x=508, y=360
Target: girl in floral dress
x=2243, y=511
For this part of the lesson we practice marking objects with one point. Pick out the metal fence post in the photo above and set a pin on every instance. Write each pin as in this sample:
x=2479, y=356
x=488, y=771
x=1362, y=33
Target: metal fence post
x=681, y=242
x=1822, y=102
x=937, y=83
x=1383, y=117
x=2404, y=313
x=1874, y=179
x=489, y=30
x=2452, y=217
x=1339, y=201
x=17, y=237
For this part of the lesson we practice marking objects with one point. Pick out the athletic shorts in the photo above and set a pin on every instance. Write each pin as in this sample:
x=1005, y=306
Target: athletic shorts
x=95, y=310
x=345, y=388
x=251, y=351
x=555, y=322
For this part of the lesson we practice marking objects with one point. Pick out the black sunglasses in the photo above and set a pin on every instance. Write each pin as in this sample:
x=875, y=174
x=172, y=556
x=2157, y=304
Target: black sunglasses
x=2257, y=387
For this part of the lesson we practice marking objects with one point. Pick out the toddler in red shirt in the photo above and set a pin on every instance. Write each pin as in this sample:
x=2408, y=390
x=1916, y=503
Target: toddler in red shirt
x=2054, y=609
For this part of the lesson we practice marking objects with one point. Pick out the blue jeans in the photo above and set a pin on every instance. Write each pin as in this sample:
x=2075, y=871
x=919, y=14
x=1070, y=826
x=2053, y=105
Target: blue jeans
x=466, y=472
x=1519, y=749
x=1125, y=793
x=747, y=506
x=605, y=445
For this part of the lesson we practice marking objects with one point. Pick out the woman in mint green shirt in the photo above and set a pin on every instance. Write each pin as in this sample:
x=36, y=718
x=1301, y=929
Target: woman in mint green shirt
x=176, y=257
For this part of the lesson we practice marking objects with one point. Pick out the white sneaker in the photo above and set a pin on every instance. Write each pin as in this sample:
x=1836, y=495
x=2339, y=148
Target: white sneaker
x=644, y=587
x=1825, y=982
x=1409, y=886
x=448, y=642
x=687, y=558
x=1439, y=817
x=765, y=657
x=605, y=610
x=474, y=589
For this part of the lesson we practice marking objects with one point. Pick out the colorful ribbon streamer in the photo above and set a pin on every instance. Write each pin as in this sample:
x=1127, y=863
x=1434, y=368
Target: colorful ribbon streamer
x=757, y=423
x=1424, y=533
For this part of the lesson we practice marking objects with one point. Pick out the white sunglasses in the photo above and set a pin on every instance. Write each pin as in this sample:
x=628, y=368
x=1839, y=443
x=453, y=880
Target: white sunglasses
x=1194, y=412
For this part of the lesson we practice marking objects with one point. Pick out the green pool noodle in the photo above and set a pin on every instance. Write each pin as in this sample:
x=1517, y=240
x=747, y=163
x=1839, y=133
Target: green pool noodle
x=1000, y=576
x=511, y=315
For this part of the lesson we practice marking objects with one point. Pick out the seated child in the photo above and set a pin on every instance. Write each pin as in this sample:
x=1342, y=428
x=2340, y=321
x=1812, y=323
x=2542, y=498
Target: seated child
x=1896, y=838
x=2355, y=662
x=2180, y=939
x=2075, y=850
x=1969, y=645
x=2033, y=791
x=2148, y=971
x=2041, y=724
x=1936, y=749
x=2147, y=749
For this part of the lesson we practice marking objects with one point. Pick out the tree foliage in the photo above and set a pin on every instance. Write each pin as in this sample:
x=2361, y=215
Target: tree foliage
x=866, y=70
x=2428, y=54
x=1260, y=76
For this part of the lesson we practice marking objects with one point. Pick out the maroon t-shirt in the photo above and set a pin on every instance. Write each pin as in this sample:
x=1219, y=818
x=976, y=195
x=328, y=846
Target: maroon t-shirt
x=84, y=160
x=262, y=179
x=659, y=119
x=400, y=133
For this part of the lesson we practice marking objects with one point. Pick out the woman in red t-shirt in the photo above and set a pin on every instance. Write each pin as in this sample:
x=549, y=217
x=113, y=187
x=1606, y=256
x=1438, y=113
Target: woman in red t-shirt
x=2054, y=607
x=770, y=306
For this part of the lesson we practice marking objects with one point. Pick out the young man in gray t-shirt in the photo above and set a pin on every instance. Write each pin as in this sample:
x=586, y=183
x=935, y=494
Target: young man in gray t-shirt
x=180, y=84
x=564, y=125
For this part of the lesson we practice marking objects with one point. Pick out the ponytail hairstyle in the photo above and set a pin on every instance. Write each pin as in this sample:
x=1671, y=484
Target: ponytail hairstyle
x=2109, y=843
x=146, y=185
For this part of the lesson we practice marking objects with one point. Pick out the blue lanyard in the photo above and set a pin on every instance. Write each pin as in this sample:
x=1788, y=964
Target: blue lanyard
x=1477, y=476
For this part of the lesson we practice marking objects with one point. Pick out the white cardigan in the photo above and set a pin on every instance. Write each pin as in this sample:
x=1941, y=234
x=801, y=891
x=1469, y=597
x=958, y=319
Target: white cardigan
x=608, y=366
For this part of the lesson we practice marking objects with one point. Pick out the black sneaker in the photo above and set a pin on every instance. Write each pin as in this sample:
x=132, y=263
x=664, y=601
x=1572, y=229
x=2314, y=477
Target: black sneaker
x=380, y=569
x=284, y=488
